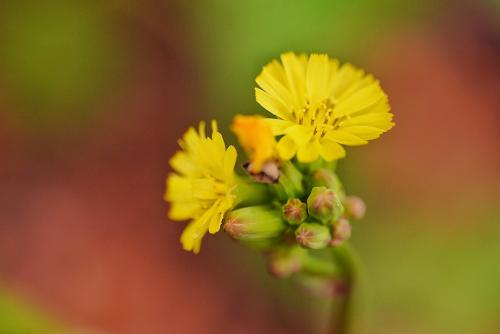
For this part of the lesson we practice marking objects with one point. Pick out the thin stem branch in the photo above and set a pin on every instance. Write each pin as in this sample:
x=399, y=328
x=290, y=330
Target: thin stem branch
x=340, y=322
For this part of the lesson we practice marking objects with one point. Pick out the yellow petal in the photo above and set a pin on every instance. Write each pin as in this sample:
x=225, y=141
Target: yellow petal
x=183, y=210
x=216, y=220
x=218, y=144
x=344, y=78
x=287, y=148
x=271, y=104
x=276, y=70
x=201, y=129
x=229, y=162
x=191, y=237
x=204, y=189
x=300, y=134
x=367, y=132
x=273, y=81
x=179, y=188
x=333, y=70
x=295, y=70
x=360, y=99
x=309, y=152
x=182, y=164
x=190, y=139
x=330, y=150
x=278, y=126
x=317, y=77
x=345, y=137
x=379, y=120
x=357, y=84
x=215, y=223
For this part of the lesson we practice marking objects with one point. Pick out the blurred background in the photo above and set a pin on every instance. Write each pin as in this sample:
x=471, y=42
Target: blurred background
x=94, y=94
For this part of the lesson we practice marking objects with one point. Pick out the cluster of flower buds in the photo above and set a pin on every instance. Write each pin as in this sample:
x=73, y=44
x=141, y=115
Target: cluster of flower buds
x=307, y=211
x=317, y=215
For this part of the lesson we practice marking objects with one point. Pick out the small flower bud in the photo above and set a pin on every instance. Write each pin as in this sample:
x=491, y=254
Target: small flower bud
x=286, y=261
x=324, y=205
x=323, y=177
x=341, y=231
x=312, y=235
x=254, y=223
x=295, y=211
x=355, y=207
x=290, y=181
x=249, y=193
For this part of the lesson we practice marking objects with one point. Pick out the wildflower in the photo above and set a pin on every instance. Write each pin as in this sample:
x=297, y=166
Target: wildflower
x=202, y=187
x=321, y=105
x=256, y=138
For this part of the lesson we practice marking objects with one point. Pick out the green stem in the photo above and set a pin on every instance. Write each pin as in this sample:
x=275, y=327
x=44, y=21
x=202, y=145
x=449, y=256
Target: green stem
x=341, y=321
x=319, y=267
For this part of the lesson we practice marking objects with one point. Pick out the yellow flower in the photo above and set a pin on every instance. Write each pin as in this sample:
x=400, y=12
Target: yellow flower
x=256, y=137
x=202, y=186
x=320, y=105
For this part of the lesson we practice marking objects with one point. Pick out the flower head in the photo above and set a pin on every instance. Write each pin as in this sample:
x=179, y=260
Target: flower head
x=256, y=138
x=201, y=189
x=321, y=105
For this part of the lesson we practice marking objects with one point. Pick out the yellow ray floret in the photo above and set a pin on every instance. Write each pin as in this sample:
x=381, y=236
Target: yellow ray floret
x=201, y=189
x=256, y=137
x=321, y=105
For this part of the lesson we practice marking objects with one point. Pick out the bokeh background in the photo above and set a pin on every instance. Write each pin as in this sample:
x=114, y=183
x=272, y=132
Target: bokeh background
x=94, y=94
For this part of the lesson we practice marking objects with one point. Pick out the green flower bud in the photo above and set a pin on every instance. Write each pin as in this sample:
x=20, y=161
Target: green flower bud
x=323, y=177
x=341, y=231
x=355, y=207
x=294, y=211
x=254, y=223
x=290, y=182
x=324, y=205
x=312, y=235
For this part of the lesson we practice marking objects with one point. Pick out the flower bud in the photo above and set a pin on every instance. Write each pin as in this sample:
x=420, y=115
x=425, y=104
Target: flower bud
x=290, y=181
x=323, y=177
x=249, y=193
x=286, y=261
x=355, y=207
x=324, y=205
x=254, y=223
x=294, y=211
x=341, y=231
x=312, y=235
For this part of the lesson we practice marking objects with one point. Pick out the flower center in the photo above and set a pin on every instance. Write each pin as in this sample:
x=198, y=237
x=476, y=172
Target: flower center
x=321, y=117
